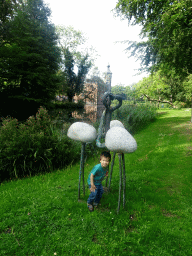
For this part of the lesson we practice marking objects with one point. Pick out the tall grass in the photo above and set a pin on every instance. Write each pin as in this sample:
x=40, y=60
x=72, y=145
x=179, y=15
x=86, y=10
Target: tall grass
x=135, y=117
x=42, y=216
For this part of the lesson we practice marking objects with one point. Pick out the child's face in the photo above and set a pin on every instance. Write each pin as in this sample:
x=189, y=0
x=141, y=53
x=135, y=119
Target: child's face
x=104, y=161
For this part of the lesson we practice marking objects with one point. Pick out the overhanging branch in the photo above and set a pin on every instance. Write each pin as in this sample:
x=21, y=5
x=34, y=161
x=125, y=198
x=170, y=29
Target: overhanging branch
x=159, y=100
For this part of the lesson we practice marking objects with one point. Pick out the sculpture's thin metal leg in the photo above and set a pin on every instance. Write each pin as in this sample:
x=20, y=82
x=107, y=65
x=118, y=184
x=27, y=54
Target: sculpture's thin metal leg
x=81, y=171
x=112, y=164
x=107, y=176
x=124, y=179
x=120, y=183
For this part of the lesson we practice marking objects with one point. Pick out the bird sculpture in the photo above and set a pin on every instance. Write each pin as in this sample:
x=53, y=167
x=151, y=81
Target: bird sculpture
x=85, y=133
x=119, y=140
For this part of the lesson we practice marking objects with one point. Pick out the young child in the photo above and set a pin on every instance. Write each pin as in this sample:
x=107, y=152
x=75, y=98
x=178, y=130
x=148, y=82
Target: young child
x=95, y=178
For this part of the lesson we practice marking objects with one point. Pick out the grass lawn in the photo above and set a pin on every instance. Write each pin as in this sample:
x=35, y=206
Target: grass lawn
x=42, y=216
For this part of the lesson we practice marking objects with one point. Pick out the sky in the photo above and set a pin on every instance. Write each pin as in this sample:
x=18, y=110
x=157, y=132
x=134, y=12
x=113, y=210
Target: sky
x=103, y=30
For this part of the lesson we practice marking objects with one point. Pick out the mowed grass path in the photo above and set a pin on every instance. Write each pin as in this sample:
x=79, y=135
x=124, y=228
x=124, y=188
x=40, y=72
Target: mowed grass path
x=42, y=216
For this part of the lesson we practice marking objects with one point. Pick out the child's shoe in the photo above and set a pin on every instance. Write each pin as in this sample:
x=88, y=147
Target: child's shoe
x=90, y=207
x=95, y=205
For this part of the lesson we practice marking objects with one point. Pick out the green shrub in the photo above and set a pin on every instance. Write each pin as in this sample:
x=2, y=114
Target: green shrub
x=135, y=117
x=31, y=147
x=179, y=104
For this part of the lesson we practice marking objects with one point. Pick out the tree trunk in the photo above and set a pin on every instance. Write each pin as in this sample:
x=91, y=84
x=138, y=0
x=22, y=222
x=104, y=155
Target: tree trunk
x=70, y=99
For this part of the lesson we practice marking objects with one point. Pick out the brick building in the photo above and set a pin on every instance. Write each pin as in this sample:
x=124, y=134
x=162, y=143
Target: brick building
x=92, y=96
x=94, y=89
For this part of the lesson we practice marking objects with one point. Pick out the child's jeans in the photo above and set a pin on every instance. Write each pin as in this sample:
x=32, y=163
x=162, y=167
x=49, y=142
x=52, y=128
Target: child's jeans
x=95, y=196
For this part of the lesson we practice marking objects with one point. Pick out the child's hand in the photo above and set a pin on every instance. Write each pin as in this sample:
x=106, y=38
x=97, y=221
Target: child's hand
x=92, y=188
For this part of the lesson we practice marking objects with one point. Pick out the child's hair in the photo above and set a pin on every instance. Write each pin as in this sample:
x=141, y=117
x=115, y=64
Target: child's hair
x=106, y=154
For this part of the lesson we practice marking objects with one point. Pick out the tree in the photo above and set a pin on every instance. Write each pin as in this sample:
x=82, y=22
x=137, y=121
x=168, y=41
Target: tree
x=130, y=92
x=165, y=89
x=74, y=83
x=127, y=92
x=152, y=88
x=76, y=61
x=167, y=25
x=29, y=61
x=7, y=10
x=120, y=90
x=187, y=84
x=188, y=90
x=71, y=39
x=76, y=42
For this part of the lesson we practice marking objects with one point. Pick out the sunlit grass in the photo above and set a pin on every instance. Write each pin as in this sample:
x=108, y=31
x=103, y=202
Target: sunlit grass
x=42, y=215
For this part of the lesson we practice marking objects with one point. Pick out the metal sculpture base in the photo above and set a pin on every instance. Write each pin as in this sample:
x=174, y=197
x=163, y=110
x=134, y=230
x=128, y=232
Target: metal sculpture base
x=81, y=171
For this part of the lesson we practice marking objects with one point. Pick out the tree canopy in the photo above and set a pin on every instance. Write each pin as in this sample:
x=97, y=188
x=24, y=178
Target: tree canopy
x=29, y=61
x=167, y=26
x=165, y=89
x=119, y=90
x=71, y=39
x=74, y=82
x=76, y=62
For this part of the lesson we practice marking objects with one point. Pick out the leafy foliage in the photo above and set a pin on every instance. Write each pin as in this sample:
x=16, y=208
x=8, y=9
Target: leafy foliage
x=127, y=92
x=71, y=39
x=167, y=26
x=75, y=56
x=188, y=87
x=74, y=83
x=29, y=61
x=165, y=89
x=33, y=146
x=135, y=117
x=119, y=90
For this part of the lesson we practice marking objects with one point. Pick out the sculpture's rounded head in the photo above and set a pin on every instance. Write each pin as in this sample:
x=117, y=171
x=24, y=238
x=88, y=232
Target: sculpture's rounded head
x=82, y=132
x=119, y=140
x=114, y=123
